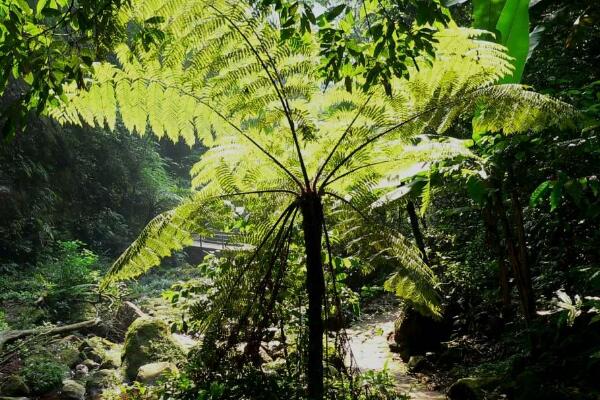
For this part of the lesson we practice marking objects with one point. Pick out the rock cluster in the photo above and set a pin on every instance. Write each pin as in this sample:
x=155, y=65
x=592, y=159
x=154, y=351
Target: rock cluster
x=95, y=364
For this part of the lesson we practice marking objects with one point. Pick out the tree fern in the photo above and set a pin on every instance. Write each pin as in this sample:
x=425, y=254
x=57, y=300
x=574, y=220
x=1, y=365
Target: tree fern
x=372, y=131
x=280, y=144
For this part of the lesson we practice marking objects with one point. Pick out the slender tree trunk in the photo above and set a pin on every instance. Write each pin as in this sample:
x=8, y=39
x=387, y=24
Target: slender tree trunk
x=315, y=287
x=517, y=216
x=416, y=230
x=490, y=219
x=525, y=292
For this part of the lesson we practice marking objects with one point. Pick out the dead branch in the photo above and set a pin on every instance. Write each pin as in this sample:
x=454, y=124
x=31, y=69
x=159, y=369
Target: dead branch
x=9, y=336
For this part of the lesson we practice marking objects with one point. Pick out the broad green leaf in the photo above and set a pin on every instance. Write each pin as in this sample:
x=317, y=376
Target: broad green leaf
x=513, y=26
x=334, y=12
x=391, y=196
x=22, y=4
x=539, y=193
x=486, y=13
x=477, y=190
x=555, y=196
x=40, y=6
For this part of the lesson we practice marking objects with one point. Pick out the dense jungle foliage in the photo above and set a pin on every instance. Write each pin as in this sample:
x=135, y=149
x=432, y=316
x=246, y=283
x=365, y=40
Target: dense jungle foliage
x=267, y=199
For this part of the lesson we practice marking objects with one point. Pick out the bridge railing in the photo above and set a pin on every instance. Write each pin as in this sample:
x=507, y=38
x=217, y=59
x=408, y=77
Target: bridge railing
x=218, y=237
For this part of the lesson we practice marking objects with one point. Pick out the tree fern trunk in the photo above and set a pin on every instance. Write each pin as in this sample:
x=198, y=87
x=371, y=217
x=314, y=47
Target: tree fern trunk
x=312, y=222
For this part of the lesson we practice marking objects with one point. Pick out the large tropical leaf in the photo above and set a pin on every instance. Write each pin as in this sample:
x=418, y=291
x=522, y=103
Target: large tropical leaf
x=486, y=14
x=513, y=26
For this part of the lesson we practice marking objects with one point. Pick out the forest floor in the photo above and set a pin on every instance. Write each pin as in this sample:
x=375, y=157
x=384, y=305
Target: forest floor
x=369, y=345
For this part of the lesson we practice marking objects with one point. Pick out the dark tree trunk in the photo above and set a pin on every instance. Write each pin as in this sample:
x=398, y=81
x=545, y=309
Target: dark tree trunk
x=517, y=216
x=312, y=215
x=416, y=230
x=490, y=219
x=523, y=285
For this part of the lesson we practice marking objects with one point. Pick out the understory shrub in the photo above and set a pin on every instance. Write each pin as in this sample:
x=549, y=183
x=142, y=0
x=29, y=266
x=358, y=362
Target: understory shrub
x=3, y=324
x=43, y=374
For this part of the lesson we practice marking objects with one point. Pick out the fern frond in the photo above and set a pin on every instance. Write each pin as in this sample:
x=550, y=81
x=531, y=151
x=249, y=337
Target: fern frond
x=413, y=280
x=168, y=232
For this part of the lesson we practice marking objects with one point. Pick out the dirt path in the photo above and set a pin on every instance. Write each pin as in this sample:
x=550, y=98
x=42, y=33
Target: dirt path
x=368, y=341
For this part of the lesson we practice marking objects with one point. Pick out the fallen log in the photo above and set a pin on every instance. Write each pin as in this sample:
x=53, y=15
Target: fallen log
x=135, y=309
x=9, y=336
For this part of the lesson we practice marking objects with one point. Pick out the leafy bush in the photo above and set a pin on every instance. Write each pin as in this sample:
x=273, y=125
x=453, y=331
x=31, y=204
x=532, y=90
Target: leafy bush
x=68, y=277
x=43, y=374
x=71, y=265
x=57, y=287
x=3, y=324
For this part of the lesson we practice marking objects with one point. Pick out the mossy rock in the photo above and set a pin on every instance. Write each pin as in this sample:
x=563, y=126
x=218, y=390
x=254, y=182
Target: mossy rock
x=148, y=340
x=43, y=375
x=466, y=389
x=472, y=388
x=530, y=384
x=72, y=390
x=101, y=380
x=150, y=374
x=90, y=364
x=14, y=385
x=274, y=367
x=416, y=363
x=102, y=351
x=66, y=350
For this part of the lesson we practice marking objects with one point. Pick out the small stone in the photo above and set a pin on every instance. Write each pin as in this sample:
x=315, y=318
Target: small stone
x=72, y=390
x=81, y=370
x=185, y=341
x=106, y=353
x=151, y=373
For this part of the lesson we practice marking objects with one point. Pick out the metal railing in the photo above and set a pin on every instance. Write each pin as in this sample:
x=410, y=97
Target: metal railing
x=219, y=238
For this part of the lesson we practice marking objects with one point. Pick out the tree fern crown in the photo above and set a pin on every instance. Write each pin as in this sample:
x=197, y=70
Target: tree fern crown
x=274, y=133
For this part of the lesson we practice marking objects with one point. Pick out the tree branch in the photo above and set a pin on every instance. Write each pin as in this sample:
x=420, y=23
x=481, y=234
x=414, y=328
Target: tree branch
x=9, y=336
